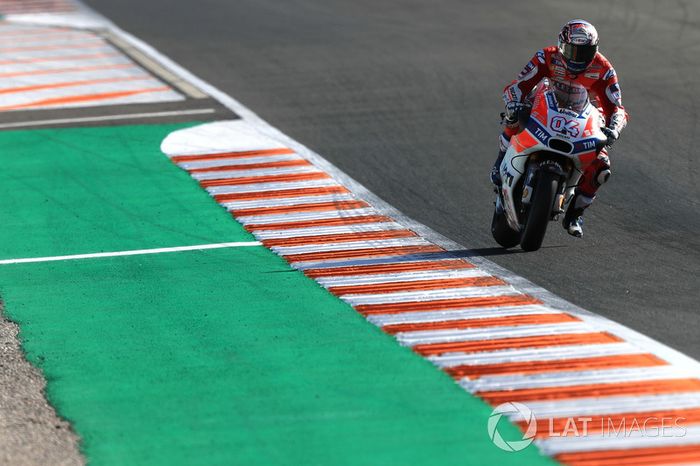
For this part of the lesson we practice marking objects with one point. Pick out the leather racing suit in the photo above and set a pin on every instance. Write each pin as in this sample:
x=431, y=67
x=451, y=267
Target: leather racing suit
x=600, y=81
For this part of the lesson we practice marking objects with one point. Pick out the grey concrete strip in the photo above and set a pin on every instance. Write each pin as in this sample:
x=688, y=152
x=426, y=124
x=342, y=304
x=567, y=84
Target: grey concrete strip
x=30, y=431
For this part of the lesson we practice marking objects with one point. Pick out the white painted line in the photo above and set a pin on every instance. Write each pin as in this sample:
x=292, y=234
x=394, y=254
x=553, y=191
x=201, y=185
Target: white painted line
x=61, y=121
x=429, y=295
x=332, y=230
x=608, y=405
x=287, y=201
x=255, y=172
x=557, y=353
x=135, y=252
x=305, y=216
x=350, y=245
x=628, y=439
x=458, y=314
x=413, y=276
x=572, y=379
x=271, y=186
x=425, y=337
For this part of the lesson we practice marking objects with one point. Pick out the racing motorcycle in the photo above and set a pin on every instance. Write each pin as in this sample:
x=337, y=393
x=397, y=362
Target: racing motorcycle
x=544, y=163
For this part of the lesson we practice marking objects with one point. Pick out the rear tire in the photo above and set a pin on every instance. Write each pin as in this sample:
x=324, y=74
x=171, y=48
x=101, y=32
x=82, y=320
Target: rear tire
x=540, y=211
x=502, y=232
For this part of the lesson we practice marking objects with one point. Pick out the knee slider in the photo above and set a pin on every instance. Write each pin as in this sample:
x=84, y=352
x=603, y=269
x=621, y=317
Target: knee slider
x=603, y=176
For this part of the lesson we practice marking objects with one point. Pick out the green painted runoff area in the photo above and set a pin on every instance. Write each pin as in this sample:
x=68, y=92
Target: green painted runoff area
x=223, y=356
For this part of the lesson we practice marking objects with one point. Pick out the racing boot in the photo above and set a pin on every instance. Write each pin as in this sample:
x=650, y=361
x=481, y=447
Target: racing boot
x=573, y=219
x=503, y=144
x=496, y=169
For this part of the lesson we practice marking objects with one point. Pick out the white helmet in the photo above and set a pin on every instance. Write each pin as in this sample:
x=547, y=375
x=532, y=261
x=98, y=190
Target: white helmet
x=578, y=45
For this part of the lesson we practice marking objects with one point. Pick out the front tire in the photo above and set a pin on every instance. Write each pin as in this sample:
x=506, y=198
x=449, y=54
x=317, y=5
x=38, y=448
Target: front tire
x=501, y=231
x=540, y=211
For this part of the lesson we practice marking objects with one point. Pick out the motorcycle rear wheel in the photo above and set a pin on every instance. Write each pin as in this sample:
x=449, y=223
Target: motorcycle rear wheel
x=540, y=211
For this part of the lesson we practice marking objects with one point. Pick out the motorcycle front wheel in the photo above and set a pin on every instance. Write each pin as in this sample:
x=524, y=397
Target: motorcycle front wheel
x=540, y=211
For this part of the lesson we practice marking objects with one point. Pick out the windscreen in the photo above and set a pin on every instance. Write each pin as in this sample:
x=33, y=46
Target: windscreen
x=573, y=97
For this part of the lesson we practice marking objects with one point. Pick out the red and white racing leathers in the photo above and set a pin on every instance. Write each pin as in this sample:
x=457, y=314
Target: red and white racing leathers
x=600, y=81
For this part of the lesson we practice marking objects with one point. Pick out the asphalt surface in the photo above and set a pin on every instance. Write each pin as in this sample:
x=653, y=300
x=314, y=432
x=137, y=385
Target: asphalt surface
x=404, y=96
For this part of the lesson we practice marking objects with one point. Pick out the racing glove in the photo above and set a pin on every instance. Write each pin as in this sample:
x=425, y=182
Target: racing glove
x=611, y=134
x=512, y=110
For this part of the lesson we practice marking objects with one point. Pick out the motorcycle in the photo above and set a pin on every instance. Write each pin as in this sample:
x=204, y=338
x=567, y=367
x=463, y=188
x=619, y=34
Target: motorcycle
x=545, y=163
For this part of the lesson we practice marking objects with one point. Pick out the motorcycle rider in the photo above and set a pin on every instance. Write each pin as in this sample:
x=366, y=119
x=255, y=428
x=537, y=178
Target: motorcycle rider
x=574, y=62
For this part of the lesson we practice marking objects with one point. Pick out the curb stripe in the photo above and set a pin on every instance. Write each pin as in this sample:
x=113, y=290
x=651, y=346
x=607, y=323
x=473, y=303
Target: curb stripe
x=314, y=207
x=21, y=61
x=361, y=253
x=342, y=221
x=322, y=239
x=71, y=84
x=565, y=365
x=85, y=98
x=264, y=179
x=447, y=264
x=646, y=387
x=436, y=349
x=445, y=304
x=283, y=193
x=118, y=66
x=640, y=457
x=280, y=164
x=507, y=321
x=416, y=285
x=231, y=155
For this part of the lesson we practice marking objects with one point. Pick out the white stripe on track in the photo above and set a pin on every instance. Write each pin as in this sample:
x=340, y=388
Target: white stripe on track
x=350, y=245
x=493, y=333
x=570, y=379
x=255, y=172
x=135, y=252
x=558, y=353
x=287, y=201
x=458, y=314
x=332, y=230
x=271, y=186
x=610, y=405
x=375, y=279
x=305, y=216
x=430, y=295
x=238, y=161
x=642, y=438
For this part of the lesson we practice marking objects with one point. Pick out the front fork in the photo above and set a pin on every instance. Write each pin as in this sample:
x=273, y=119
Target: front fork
x=530, y=182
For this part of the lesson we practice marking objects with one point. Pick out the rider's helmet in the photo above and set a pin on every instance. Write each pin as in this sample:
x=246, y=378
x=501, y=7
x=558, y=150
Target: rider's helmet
x=578, y=44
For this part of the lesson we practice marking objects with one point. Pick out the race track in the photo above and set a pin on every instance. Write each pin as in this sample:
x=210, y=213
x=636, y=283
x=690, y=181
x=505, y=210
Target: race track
x=404, y=96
